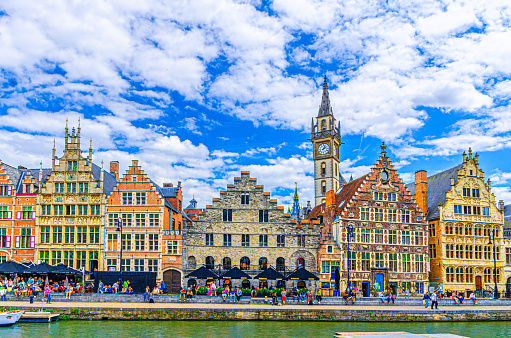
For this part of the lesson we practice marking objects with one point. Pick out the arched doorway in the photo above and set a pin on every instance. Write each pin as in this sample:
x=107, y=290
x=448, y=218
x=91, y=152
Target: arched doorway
x=263, y=263
x=192, y=282
x=210, y=263
x=245, y=263
x=172, y=279
x=245, y=284
x=281, y=264
x=226, y=263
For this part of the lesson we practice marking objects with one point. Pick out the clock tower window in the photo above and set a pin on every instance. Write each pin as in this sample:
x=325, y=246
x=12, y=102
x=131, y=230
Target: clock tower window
x=323, y=188
x=323, y=168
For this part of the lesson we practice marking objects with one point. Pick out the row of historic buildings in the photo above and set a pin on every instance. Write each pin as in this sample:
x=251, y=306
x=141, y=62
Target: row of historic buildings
x=372, y=229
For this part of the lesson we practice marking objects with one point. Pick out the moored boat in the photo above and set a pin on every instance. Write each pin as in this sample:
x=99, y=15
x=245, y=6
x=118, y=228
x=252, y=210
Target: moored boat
x=10, y=318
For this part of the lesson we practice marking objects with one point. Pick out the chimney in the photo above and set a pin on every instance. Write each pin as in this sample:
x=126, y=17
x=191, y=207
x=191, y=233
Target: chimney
x=421, y=190
x=168, y=185
x=179, y=184
x=330, y=198
x=114, y=169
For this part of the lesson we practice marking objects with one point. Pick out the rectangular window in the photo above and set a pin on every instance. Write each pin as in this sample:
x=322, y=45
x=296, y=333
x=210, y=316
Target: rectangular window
x=457, y=209
x=245, y=199
x=81, y=259
x=126, y=242
x=378, y=236
x=468, y=252
x=4, y=238
x=57, y=234
x=379, y=261
x=153, y=242
x=26, y=213
x=44, y=256
x=325, y=267
x=263, y=216
x=56, y=257
x=72, y=165
x=126, y=264
x=263, y=240
x=112, y=242
x=154, y=220
x=45, y=234
x=353, y=261
x=378, y=196
x=407, y=265
x=366, y=261
x=111, y=263
x=126, y=220
x=432, y=250
x=227, y=240
x=139, y=242
x=152, y=265
x=301, y=241
x=281, y=240
x=245, y=240
x=141, y=198
x=81, y=235
x=83, y=187
x=139, y=264
x=419, y=263
x=26, y=236
x=364, y=214
x=227, y=215
x=70, y=235
x=71, y=187
x=378, y=214
x=392, y=216
x=467, y=210
x=432, y=230
x=140, y=220
x=365, y=235
x=112, y=220
x=68, y=258
x=58, y=209
x=392, y=236
x=94, y=234
x=391, y=197
x=405, y=216
x=418, y=238
x=475, y=193
x=466, y=192
x=172, y=248
x=95, y=209
x=4, y=214
x=209, y=240
x=127, y=198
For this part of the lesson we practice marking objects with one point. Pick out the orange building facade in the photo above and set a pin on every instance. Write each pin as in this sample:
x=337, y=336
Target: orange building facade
x=152, y=226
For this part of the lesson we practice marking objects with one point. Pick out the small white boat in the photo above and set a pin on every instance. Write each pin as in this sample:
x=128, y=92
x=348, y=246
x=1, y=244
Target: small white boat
x=10, y=318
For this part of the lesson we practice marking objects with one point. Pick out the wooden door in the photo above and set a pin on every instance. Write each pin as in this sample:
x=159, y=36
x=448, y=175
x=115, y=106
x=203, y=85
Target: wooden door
x=172, y=279
x=479, y=284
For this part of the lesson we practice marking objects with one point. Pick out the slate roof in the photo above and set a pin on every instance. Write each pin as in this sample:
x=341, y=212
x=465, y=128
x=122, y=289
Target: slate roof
x=192, y=205
x=341, y=197
x=507, y=213
x=438, y=186
x=14, y=173
x=109, y=181
x=342, y=180
x=169, y=191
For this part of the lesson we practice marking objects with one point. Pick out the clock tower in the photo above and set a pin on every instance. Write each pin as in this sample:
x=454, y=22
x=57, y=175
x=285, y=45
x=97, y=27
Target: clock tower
x=326, y=143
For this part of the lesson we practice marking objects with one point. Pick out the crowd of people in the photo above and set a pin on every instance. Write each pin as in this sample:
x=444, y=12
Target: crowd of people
x=115, y=288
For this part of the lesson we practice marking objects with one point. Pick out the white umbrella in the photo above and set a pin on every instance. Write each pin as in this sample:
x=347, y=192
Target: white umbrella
x=66, y=283
x=46, y=282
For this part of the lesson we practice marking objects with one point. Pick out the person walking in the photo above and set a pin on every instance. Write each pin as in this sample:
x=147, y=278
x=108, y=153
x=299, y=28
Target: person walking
x=3, y=293
x=47, y=293
x=426, y=299
x=434, y=301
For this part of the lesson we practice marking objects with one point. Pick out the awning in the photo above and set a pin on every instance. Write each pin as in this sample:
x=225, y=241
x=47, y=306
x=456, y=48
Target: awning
x=235, y=273
x=202, y=273
x=11, y=267
x=302, y=274
x=43, y=268
x=270, y=274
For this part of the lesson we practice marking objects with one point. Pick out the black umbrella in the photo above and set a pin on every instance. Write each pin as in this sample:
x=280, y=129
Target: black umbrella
x=11, y=267
x=302, y=274
x=202, y=273
x=43, y=269
x=270, y=274
x=235, y=273
x=65, y=270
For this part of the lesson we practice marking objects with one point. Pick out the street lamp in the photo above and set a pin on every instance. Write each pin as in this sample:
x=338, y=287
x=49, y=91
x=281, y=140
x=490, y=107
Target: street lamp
x=491, y=235
x=350, y=235
x=119, y=228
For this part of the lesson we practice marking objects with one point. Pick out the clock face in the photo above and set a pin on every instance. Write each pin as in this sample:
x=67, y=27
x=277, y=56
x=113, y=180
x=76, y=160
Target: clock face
x=384, y=176
x=323, y=148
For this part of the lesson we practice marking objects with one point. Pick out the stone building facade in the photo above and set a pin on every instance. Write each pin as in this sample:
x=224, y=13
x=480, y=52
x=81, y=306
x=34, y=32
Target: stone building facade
x=462, y=213
x=70, y=211
x=152, y=226
x=246, y=228
x=389, y=244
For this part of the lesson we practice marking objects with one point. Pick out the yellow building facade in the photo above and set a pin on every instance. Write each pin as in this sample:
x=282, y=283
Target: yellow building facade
x=71, y=204
x=462, y=217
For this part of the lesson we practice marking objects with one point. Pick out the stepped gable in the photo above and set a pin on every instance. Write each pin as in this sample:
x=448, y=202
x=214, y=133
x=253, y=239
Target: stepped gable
x=438, y=186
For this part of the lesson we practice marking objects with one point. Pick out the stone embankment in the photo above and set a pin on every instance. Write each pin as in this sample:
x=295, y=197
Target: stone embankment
x=206, y=311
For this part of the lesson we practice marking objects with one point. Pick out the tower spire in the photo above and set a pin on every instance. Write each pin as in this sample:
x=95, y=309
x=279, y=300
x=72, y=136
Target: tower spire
x=325, y=108
x=295, y=211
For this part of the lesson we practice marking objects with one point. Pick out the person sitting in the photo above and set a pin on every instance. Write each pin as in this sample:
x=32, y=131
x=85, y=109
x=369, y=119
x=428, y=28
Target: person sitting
x=239, y=293
x=454, y=297
x=303, y=295
x=156, y=291
x=266, y=299
x=225, y=292
x=182, y=294
x=253, y=292
x=473, y=298
x=390, y=297
x=189, y=293
x=130, y=290
x=381, y=295
x=69, y=291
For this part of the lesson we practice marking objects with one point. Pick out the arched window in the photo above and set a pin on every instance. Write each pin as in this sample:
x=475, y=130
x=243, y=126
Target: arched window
x=226, y=263
x=263, y=263
x=245, y=284
x=323, y=125
x=323, y=187
x=245, y=263
x=192, y=282
x=323, y=168
x=281, y=264
x=192, y=264
x=300, y=263
x=210, y=262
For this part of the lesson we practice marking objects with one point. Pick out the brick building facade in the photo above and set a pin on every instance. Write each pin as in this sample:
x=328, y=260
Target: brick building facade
x=246, y=228
x=389, y=246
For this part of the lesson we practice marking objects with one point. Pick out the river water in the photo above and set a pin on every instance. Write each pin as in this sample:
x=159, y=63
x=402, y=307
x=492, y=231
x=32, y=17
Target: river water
x=132, y=329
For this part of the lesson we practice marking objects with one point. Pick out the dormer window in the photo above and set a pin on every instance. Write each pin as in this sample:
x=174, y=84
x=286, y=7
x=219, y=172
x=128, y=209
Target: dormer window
x=27, y=188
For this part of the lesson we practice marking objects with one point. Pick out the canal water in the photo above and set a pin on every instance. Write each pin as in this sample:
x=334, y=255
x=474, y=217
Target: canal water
x=132, y=329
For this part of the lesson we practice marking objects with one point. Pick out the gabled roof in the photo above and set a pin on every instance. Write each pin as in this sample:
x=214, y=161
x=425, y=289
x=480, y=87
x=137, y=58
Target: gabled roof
x=342, y=196
x=14, y=173
x=169, y=191
x=438, y=186
x=342, y=180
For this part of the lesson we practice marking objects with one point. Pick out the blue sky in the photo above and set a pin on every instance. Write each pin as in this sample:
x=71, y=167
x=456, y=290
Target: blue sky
x=199, y=90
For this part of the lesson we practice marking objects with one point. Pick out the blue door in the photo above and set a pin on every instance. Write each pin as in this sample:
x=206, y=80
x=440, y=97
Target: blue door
x=380, y=279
